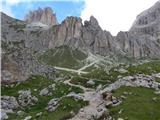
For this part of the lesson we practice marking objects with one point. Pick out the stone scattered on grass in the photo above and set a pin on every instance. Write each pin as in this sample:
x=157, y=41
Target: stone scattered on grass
x=52, y=104
x=20, y=113
x=25, y=98
x=28, y=118
x=39, y=114
x=91, y=82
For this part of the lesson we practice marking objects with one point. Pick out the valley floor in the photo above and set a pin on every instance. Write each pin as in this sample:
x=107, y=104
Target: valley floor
x=131, y=93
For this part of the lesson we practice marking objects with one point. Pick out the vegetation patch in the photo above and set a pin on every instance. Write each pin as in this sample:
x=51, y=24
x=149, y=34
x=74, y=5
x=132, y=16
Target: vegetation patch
x=142, y=104
x=63, y=57
x=36, y=84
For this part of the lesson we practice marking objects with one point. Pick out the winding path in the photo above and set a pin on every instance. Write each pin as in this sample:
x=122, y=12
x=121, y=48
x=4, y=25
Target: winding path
x=71, y=70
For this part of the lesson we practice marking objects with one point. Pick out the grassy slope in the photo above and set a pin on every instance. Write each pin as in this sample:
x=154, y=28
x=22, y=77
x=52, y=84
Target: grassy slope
x=107, y=78
x=138, y=106
x=62, y=57
x=39, y=82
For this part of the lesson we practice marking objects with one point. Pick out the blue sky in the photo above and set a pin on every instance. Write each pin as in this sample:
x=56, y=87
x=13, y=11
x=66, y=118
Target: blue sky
x=61, y=8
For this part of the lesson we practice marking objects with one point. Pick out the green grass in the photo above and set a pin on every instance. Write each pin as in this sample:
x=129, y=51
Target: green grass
x=138, y=106
x=79, y=80
x=146, y=68
x=158, y=80
x=63, y=111
x=40, y=82
x=63, y=57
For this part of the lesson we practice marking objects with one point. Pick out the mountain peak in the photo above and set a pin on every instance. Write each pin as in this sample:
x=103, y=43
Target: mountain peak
x=44, y=16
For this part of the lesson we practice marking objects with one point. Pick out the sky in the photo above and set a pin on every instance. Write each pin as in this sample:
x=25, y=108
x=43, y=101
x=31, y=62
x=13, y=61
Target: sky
x=112, y=15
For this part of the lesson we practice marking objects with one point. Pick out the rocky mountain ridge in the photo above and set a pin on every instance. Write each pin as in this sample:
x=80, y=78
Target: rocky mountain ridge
x=87, y=37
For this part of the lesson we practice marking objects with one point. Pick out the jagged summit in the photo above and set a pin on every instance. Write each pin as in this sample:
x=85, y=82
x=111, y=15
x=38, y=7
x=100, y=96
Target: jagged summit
x=45, y=16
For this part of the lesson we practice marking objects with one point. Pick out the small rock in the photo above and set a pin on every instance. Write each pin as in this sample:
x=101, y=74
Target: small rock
x=20, y=113
x=107, y=96
x=44, y=92
x=3, y=115
x=52, y=104
x=123, y=97
x=120, y=119
x=35, y=90
x=122, y=71
x=157, y=92
x=154, y=99
x=99, y=87
x=125, y=93
x=109, y=104
x=39, y=114
x=81, y=110
x=121, y=110
x=28, y=118
x=91, y=82
x=72, y=113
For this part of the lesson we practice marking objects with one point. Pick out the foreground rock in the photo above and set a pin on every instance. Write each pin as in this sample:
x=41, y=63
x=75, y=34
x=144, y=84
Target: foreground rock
x=8, y=105
x=134, y=81
x=47, y=91
x=52, y=104
x=26, y=99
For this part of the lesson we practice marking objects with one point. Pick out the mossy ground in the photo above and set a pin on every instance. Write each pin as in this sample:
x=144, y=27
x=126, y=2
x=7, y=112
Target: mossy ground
x=138, y=106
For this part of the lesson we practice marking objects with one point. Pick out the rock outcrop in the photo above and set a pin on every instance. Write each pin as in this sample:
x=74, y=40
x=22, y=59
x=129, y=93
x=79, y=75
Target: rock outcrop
x=44, y=16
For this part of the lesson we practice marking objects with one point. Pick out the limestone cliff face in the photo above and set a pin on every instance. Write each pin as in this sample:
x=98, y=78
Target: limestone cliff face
x=89, y=37
x=142, y=40
x=148, y=22
x=67, y=33
x=138, y=46
x=45, y=16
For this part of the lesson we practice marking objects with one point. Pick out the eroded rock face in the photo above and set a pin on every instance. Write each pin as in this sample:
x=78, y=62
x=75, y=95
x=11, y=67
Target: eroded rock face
x=67, y=33
x=148, y=22
x=45, y=16
x=138, y=46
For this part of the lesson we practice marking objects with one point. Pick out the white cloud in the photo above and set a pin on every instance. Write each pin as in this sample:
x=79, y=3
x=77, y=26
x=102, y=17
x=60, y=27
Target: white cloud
x=115, y=15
